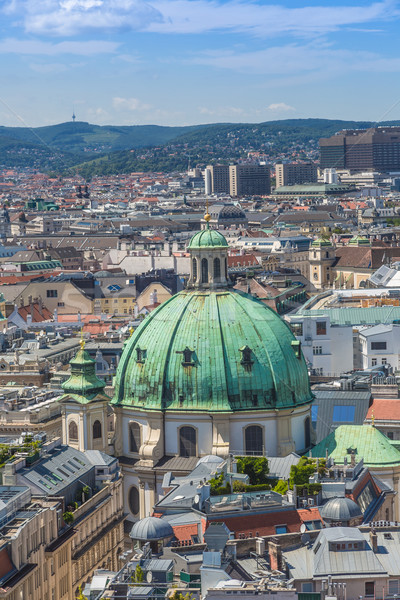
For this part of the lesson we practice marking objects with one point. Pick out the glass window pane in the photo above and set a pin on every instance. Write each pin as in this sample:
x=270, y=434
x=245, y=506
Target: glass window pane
x=254, y=440
x=187, y=442
x=344, y=414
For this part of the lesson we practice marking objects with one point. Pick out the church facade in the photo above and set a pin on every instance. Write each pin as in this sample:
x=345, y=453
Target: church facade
x=210, y=371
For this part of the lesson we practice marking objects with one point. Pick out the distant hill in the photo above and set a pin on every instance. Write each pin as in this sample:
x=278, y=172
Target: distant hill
x=94, y=149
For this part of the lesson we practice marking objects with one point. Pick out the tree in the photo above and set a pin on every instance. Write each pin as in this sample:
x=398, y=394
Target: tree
x=81, y=595
x=68, y=517
x=256, y=467
x=139, y=575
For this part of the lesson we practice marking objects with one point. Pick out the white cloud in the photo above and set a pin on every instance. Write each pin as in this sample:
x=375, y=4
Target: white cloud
x=129, y=104
x=293, y=60
x=30, y=47
x=70, y=17
x=280, y=107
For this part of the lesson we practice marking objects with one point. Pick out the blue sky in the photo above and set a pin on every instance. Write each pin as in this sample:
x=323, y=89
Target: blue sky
x=179, y=62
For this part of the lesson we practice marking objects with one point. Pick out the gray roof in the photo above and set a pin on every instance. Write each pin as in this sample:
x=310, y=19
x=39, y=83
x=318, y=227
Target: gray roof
x=340, y=509
x=58, y=470
x=319, y=560
x=151, y=528
x=326, y=400
x=280, y=467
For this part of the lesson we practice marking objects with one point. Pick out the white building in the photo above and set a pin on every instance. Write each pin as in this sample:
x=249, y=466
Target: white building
x=380, y=345
x=327, y=349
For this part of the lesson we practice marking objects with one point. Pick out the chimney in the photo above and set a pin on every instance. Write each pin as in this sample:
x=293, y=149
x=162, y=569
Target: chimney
x=275, y=556
x=373, y=538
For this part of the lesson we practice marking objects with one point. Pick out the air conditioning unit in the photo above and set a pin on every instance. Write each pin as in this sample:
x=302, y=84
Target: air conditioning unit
x=311, y=502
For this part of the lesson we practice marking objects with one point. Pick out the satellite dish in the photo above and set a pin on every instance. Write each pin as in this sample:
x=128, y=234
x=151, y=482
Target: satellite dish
x=149, y=576
x=197, y=499
x=303, y=528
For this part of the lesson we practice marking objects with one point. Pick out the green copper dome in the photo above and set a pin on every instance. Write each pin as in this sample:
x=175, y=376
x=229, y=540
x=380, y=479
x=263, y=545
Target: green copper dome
x=208, y=238
x=212, y=351
x=321, y=242
x=83, y=385
x=359, y=240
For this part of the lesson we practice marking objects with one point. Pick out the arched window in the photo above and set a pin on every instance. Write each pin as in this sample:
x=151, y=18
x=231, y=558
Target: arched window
x=204, y=270
x=96, y=430
x=134, y=437
x=194, y=268
x=72, y=431
x=187, y=441
x=307, y=433
x=254, y=441
x=217, y=269
x=134, y=500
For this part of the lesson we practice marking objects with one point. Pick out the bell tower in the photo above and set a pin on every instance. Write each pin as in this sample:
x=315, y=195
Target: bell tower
x=208, y=259
x=321, y=259
x=84, y=406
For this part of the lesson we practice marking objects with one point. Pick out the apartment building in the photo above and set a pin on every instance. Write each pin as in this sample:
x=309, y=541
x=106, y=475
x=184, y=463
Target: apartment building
x=249, y=180
x=216, y=179
x=294, y=173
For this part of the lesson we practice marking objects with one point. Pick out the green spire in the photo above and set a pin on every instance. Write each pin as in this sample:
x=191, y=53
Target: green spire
x=83, y=385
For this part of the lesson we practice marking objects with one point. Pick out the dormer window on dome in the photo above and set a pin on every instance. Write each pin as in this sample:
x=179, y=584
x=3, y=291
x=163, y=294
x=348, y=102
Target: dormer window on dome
x=188, y=357
x=247, y=355
x=140, y=355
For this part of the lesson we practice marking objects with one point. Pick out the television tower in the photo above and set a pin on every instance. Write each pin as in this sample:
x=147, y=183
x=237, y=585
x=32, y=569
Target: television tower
x=73, y=116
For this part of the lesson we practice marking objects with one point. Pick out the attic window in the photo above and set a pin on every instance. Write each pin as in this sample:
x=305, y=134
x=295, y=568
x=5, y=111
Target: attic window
x=140, y=355
x=246, y=355
x=296, y=345
x=187, y=360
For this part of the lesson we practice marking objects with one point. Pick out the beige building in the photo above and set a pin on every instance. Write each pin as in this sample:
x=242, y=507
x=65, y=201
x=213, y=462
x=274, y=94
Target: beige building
x=155, y=293
x=35, y=561
x=249, y=180
x=217, y=179
x=63, y=296
x=292, y=173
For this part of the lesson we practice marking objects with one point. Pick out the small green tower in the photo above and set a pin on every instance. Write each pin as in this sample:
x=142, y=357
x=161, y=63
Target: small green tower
x=84, y=405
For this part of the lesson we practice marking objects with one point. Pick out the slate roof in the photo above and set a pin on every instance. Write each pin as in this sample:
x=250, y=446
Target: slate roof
x=326, y=400
x=317, y=560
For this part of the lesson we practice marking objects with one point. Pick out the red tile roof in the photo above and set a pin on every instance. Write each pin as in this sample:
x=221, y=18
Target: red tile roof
x=384, y=410
x=264, y=524
x=38, y=314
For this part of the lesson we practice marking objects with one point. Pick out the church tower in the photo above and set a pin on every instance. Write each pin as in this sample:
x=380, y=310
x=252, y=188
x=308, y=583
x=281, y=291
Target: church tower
x=84, y=406
x=321, y=258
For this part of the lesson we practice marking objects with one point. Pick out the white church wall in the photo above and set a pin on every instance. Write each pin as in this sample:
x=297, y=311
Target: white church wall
x=203, y=426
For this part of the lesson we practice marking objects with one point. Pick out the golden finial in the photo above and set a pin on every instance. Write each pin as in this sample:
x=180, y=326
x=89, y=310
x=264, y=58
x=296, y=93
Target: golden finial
x=372, y=419
x=207, y=216
x=82, y=342
x=131, y=330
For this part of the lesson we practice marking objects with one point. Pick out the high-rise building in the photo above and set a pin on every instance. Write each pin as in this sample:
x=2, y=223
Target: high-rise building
x=292, y=173
x=249, y=180
x=377, y=148
x=217, y=179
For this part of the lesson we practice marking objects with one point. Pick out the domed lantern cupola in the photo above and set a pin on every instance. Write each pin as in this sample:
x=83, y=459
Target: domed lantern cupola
x=208, y=259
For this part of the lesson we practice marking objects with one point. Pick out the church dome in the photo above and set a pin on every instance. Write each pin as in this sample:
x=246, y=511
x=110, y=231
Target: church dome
x=151, y=528
x=208, y=238
x=212, y=351
x=340, y=509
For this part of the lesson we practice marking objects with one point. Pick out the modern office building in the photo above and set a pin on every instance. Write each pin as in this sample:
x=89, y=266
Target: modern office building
x=249, y=180
x=216, y=179
x=292, y=173
x=377, y=149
